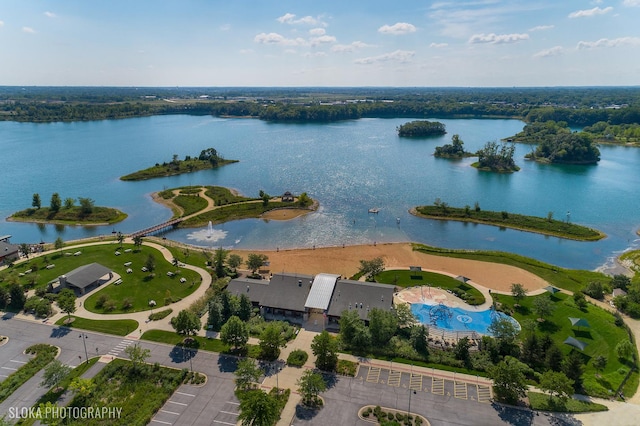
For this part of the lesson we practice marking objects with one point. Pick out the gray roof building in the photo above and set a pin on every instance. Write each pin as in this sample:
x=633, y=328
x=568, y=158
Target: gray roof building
x=362, y=296
x=283, y=291
x=321, y=291
x=8, y=251
x=85, y=276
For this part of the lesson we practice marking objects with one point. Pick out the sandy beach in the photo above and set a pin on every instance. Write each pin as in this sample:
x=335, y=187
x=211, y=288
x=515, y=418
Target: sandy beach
x=346, y=261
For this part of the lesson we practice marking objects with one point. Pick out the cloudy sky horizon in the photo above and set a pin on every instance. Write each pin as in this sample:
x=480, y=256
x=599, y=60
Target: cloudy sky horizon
x=474, y=43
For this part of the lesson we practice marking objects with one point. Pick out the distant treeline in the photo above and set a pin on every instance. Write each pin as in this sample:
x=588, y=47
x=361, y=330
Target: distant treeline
x=578, y=107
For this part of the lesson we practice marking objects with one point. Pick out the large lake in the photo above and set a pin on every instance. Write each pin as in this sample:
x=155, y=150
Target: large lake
x=348, y=166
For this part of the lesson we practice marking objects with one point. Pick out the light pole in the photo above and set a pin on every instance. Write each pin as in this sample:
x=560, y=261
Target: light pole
x=83, y=337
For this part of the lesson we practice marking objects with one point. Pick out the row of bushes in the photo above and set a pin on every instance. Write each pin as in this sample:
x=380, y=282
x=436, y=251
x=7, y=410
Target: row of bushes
x=44, y=354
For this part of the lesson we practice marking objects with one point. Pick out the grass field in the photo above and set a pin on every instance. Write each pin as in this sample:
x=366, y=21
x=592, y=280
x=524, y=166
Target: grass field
x=542, y=402
x=190, y=204
x=117, y=327
x=72, y=216
x=211, y=345
x=233, y=212
x=405, y=278
x=601, y=337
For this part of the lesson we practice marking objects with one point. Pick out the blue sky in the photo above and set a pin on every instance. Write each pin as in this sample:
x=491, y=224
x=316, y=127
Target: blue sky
x=320, y=43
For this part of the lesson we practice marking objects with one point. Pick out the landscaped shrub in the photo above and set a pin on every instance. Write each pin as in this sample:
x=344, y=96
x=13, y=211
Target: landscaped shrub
x=156, y=316
x=297, y=358
x=346, y=368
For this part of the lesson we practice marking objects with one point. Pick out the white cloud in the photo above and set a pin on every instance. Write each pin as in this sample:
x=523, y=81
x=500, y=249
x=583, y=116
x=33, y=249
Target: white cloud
x=314, y=54
x=275, y=38
x=631, y=3
x=590, y=12
x=290, y=18
x=322, y=40
x=50, y=15
x=541, y=28
x=317, y=31
x=225, y=27
x=28, y=30
x=397, y=56
x=438, y=45
x=348, y=48
x=497, y=38
x=397, y=28
x=554, y=51
x=605, y=42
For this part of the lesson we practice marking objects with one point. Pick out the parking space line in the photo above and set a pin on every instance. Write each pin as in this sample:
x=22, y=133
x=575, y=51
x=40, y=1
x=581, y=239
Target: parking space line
x=160, y=421
x=484, y=393
x=19, y=362
x=234, y=403
x=170, y=412
x=437, y=385
x=178, y=403
x=415, y=382
x=9, y=368
x=394, y=378
x=230, y=412
x=224, y=423
x=373, y=376
x=187, y=394
x=460, y=390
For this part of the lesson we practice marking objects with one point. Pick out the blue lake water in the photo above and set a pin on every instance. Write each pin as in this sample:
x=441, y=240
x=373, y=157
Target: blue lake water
x=348, y=166
x=457, y=319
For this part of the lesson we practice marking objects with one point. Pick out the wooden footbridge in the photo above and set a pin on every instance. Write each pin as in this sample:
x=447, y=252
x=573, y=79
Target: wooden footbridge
x=156, y=228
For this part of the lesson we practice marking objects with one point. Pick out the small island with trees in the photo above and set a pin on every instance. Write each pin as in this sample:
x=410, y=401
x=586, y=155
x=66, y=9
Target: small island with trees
x=558, y=144
x=454, y=150
x=547, y=225
x=67, y=212
x=421, y=128
x=496, y=157
x=208, y=159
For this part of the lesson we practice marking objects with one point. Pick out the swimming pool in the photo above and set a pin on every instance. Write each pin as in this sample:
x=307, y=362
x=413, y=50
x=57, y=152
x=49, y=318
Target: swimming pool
x=457, y=319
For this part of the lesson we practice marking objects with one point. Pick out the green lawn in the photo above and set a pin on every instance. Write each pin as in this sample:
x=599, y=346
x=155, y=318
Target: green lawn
x=232, y=212
x=405, y=278
x=601, y=337
x=569, y=279
x=139, y=393
x=137, y=286
x=72, y=215
x=542, y=402
x=117, y=327
x=211, y=345
x=190, y=203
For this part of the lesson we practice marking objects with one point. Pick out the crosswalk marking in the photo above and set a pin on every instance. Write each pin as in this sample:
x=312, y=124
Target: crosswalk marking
x=394, y=378
x=484, y=393
x=120, y=347
x=437, y=386
x=460, y=390
x=373, y=376
x=415, y=382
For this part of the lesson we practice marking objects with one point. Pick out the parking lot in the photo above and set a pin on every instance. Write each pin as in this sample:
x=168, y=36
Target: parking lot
x=425, y=383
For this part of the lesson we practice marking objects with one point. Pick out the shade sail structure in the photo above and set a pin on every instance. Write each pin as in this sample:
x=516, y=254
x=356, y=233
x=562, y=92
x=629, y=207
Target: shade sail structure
x=321, y=291
x=551, y=289
x=575, y=343
x=579, y=322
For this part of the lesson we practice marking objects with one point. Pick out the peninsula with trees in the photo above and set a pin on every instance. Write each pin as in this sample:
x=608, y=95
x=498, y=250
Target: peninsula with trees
x=421, y=128
x=67, y=212
x=495, y=157
x=547, y=225
x=208, y=159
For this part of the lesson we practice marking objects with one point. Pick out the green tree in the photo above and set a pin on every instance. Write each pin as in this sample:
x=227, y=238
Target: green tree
x=219, y=259
x=247, y=374
x=580, y=300
x=86, y=205
x=257, y=408
x=309, y=386
x=36, y=202
x=304, y=200
x=461, y=351
x=554, y=358
x=556, y=384
x=350, y=324
x=25, y=250
x=54, y=373
x=509, y=380
x=624, y=349
x=234, y=261
x=404, y=315
x=69, y=203
x=543, y=307
x=620, y=281
x=4, y=297
x=235, y=333
x=371, y=268
x=599, y=363
x=186, y=322
x=137, y=354
x=137, y=242
x=120, y=238
x=518, y=292
x=82, y=387
x=505, y=332
x=58, y=244
x=244, y=307
x=215, y=315
x=67, y=302
x=420, y=339
x=382, y=326
x=573, y=368
x=594, y=289
x=150, y=263
x=255, y=261
x=271, y=340
x=56, y=203
x=17, y=295
x=325, y=348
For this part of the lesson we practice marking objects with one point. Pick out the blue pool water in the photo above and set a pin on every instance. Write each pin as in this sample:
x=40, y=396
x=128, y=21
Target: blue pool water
x=456, y=319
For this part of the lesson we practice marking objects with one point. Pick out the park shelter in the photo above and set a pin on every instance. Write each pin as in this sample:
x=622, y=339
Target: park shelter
x=551, y=289
x=579, y=322
x=571, y=341
x=85, y=277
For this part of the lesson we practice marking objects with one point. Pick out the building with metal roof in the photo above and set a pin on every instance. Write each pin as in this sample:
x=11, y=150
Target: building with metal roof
x=360, y=296
x=85, y=277
x=8, y=252
x=321, y=291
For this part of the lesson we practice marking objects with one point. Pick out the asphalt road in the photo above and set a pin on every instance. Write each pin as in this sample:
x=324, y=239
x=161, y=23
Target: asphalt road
x=215, y=404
